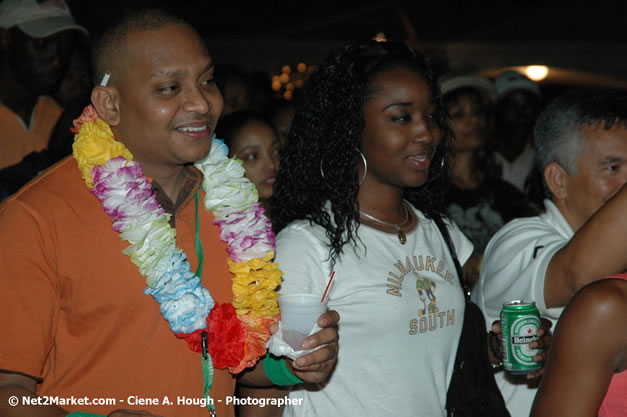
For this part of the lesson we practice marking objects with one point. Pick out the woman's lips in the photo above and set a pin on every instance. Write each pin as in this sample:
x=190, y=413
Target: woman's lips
x=420, y=162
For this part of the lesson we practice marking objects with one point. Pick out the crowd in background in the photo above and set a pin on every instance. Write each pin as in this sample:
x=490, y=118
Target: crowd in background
x=505, y=150
x=66, y=77
x=491, y=168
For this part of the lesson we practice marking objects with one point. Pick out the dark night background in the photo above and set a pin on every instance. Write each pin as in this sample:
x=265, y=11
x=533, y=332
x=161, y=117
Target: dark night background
x=583, y=42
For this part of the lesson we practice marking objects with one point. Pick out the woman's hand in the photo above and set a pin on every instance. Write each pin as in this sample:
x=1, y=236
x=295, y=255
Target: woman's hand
x=317, y=366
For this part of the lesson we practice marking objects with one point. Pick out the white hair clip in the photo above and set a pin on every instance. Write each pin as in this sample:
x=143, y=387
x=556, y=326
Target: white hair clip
x=105, y=79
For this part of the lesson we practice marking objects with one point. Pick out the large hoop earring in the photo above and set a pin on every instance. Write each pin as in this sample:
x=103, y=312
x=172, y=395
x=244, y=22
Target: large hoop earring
x=363, y=158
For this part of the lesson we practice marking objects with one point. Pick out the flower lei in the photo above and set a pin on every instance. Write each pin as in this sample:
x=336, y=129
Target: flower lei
x=237, y=332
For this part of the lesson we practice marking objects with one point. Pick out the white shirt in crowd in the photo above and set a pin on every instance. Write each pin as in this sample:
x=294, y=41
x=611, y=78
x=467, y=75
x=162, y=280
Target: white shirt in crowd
x=514, y=268
x=518, y=171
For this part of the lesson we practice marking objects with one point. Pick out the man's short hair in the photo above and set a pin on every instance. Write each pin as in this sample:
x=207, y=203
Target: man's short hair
x=557, y=136
x=109, y=43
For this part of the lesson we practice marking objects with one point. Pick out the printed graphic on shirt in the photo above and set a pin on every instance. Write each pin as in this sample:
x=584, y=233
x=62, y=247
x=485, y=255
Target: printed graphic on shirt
x=535, y=250
x=432, y=322
x=429, y=315
x=426, y=286
x=415, y=264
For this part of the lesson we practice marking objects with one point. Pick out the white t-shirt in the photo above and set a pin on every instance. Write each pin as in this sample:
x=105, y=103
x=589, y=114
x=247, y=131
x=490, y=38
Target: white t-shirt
x=517, y=172
x=397, y=346
x=514, y=267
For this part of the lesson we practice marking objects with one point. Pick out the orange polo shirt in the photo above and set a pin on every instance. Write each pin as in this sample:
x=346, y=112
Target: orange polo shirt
x=18, y=140
x=72, y=308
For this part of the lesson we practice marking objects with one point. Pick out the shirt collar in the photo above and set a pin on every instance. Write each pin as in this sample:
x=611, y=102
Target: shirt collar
x=192, y=180
x=554, y=216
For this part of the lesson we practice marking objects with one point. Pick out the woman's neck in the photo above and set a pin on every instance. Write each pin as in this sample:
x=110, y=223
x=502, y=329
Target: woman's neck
x=266, y=206
x=386, y=210
x=386, y=205
x=464, y=172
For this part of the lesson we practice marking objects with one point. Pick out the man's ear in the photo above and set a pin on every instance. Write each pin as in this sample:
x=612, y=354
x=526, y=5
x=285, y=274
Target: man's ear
x=106, y=103
x=556, y=179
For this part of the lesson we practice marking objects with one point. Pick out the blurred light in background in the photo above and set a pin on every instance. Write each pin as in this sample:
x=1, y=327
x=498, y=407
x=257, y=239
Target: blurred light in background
x=287, y=81
x=556, y=77
x=380, y=37
x=537, y=72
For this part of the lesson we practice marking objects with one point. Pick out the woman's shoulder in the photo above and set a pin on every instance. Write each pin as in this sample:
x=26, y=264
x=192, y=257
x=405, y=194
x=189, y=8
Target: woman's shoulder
x=301, y=229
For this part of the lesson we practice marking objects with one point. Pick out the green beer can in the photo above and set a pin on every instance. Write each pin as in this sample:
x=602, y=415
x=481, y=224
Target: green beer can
x=519, y=323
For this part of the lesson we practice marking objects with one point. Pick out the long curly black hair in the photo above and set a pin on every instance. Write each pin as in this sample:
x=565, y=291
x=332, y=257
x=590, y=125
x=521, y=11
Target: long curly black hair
x=318, y=179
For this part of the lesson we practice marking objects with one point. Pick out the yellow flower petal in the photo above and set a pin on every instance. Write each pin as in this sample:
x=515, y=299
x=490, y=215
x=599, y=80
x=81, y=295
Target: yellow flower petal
x=254, y=286
x=94, y=145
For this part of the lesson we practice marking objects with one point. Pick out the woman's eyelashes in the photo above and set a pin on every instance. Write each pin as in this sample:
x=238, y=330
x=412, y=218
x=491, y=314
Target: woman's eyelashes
x=402, y=118
x=429, y=118
x=250, y=156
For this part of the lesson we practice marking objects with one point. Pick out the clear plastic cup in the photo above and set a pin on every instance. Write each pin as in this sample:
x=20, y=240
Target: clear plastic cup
x=299, y=314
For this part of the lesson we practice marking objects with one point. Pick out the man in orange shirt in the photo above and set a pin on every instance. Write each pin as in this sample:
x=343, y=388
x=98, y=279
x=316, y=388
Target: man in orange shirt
x=73, y=308
x=36, y=42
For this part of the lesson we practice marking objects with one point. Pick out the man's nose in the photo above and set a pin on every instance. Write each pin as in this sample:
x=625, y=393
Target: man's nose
x=197, y=102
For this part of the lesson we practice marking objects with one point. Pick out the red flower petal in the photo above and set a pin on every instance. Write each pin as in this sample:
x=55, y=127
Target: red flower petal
x=257, y=334
x=235, y=342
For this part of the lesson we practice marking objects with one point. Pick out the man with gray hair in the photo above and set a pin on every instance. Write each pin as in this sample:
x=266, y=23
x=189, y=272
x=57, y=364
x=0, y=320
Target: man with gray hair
x=581, y=148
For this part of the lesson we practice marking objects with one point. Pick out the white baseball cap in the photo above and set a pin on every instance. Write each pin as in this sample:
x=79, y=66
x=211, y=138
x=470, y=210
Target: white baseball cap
x=449, y=83
x=514, y=80
x=38, y=19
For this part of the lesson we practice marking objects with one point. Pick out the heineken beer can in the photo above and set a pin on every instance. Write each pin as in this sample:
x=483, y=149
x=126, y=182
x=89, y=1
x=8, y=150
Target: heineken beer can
x=519, y=323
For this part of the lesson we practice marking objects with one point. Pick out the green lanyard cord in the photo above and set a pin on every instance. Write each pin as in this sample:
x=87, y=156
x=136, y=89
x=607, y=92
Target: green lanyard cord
x=198, y=243
x=207, y=363
x=207, y=374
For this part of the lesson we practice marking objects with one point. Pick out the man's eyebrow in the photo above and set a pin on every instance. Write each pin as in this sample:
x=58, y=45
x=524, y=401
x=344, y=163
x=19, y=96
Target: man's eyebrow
x=168, y=73
x=175, y=73
x=612, y=160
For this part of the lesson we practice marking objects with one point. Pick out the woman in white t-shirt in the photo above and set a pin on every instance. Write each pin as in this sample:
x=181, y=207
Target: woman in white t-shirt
x=361, y=180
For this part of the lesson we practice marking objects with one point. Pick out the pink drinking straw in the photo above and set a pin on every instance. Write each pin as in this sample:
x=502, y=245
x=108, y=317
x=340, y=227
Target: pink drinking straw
x=327, y=288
